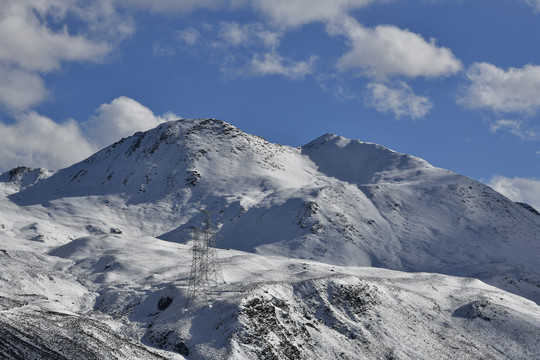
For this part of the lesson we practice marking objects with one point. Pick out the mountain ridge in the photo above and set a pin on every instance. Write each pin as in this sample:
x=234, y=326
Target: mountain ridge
x=334, y=200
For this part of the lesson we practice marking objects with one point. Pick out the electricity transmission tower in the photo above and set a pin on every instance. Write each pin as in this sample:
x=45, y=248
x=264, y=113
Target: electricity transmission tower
x=205, y=268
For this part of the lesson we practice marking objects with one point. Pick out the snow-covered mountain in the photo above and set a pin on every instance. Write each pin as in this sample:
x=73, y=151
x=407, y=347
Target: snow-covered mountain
x=102, y=243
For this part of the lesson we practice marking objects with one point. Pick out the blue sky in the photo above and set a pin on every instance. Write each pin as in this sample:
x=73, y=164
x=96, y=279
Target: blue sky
x=454, y=82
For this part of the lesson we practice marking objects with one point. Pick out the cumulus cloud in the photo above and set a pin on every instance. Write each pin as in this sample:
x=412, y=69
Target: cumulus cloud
x=387, y=53
x=387, y=50
x=515, y=90
x=399, y=100
x=290, y=13
x=28, y=43
x=274, y=64
x=519, y=189
x=120, y=118
x=20, y=89
x=38, y=141
x=35, y=39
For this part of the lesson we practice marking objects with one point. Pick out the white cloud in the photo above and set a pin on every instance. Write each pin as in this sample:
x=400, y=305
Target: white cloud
x=29, y=44
x=101, y=20
x=121, y=118
x=183, y=6
x=234, y=34
x=189, y=35
x=387, y=50
x=515, y=127
x=37, y=141
x=247, y=50
x=20, y=89
x=516, y=90
x=230, y=34
x=286, y=13
x=256, y=34
x=299, y=12
x=274, y=64
x=35, y=39
x=341, y=93
x=399, y=100
x=518, y=189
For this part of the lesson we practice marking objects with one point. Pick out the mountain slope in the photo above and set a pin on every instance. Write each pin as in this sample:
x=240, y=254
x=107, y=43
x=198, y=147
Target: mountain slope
x=334, y=200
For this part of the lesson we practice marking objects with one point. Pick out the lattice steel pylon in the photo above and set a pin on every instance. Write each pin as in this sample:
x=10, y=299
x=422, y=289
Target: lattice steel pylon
x=205, y=268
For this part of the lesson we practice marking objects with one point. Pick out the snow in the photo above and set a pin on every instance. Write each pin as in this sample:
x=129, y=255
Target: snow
x=338, y=249
x=271, y=305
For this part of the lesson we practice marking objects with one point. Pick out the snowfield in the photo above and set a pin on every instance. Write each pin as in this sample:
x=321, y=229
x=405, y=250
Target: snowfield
x=338, y=249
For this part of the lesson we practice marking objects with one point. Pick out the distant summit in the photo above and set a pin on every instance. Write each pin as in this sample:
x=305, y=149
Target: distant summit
x=359, y=162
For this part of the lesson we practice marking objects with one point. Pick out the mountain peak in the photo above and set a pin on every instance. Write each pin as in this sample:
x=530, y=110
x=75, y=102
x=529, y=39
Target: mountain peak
x=358, y=162
x=157, y=163
x=328, y=138
x=174, y=132
x=22, y=177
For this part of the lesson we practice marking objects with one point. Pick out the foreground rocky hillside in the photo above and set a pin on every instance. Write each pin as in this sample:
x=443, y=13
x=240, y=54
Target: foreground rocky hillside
x=118, y=297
